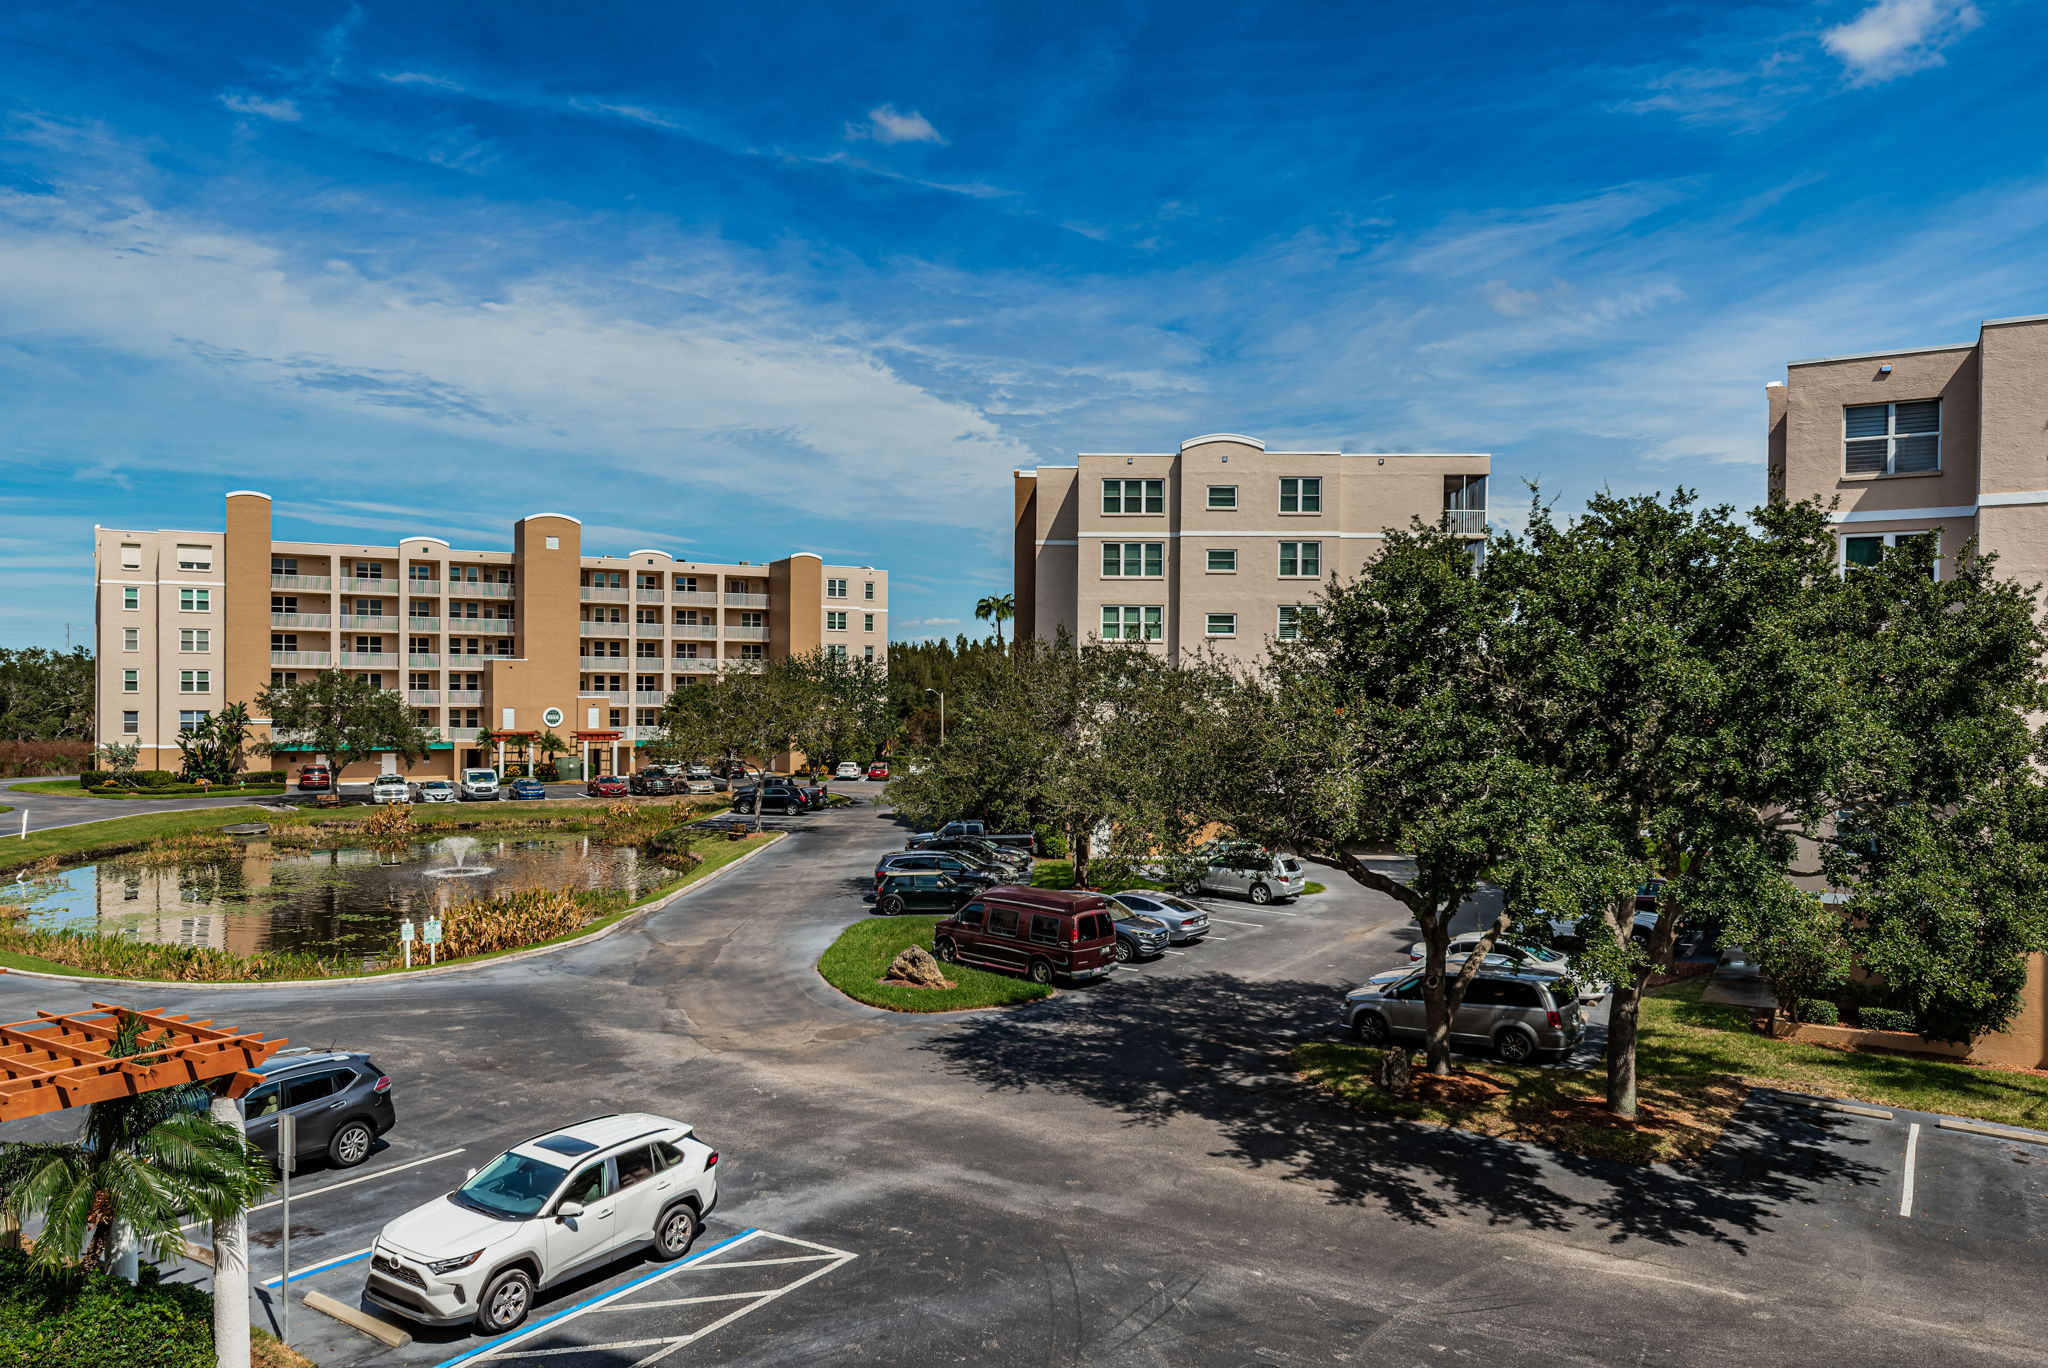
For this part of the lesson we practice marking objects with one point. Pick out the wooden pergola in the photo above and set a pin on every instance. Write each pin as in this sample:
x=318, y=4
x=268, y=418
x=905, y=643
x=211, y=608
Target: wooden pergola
x=53, y=1062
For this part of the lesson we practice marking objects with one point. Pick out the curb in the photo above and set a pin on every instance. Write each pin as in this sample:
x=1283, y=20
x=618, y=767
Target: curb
x=1829, y=1104
x=2025, y=1137
x=437, y=971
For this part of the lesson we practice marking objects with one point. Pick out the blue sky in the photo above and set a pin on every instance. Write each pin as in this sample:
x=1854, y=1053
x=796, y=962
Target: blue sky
x=737, y=280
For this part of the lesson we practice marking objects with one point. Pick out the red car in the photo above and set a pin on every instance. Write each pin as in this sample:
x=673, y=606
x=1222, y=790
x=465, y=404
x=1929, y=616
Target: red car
x=315, y=779
x=879, y=770
x=606, y=786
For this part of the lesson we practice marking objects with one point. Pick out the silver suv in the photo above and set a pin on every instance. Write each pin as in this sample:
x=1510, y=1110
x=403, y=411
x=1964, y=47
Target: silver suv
x=1516, y=1015
x=1249, y=871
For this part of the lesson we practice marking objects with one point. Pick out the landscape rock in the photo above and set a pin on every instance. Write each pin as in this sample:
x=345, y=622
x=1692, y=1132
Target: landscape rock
x=916, y=967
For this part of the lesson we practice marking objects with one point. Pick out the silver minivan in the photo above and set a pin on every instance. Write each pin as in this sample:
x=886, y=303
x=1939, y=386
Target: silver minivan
x=1517, y=1016
x=1250, y=871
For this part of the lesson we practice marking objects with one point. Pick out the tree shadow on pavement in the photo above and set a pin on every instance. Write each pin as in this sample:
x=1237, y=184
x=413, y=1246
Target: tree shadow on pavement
x=1214, y=1047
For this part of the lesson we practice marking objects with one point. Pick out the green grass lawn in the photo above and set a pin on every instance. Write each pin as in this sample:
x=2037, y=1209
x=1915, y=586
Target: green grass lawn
x=68, y=788
x=118, y=834
x=1697, y=1063
x=855, y=963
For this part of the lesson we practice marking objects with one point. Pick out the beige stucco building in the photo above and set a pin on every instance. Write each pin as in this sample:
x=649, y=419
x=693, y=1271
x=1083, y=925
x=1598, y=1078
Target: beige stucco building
x=1217, y=545
x=1948, y=442
x=539, y=638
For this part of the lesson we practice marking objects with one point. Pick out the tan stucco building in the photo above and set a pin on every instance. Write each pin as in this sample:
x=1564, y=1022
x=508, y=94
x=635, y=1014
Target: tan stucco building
x=539, y=638
x=1217, y=545
x=1946, y=442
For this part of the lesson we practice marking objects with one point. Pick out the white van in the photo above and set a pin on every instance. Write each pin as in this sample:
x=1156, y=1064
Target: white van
x=390, y=788
x=479, y=786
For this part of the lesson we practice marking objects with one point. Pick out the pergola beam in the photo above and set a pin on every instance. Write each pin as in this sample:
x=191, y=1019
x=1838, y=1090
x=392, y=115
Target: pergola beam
x=58, y=1060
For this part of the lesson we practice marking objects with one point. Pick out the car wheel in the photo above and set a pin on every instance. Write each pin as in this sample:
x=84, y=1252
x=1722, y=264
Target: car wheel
x=351, y=1144
x=1370, y=1027
x=946, y=951
x=1191, y=888
x=1514, y=1046
x=1261, y=894
x=890, y=906
x=677, y=1231
x=505, y=1301
x=743, y=807
x=1041, y=971
x=792, y=809
x=1124, y=953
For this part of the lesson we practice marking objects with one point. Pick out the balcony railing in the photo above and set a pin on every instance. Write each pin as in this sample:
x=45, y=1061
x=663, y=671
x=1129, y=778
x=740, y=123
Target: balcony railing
x=605, y=594
x=319, y=582
x=360, y=585
x=423, y=660
x=482, y=590
x=465, y=698
x=419, y=588
x=695, y=631
x=601, y=629
x=591, y=662
x=650, y=596
x=746, y=600
x=746, y=634
x=607, y=695
x=699, y=598
x=423, y=624
x=647, y=629
x=645, y=697
x=320, y=620
x=371, y=660
x=496, y=654
x=318, y=659
x=358, y=622
x=419, y=697
x=699, y=665
x=1469, y=522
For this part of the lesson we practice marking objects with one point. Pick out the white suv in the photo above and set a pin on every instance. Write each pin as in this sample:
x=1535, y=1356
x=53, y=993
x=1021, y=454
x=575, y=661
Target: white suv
x=545, y=1210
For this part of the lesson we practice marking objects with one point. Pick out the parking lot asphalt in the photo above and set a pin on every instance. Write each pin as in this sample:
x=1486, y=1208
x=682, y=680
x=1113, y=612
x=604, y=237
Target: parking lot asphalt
x=1125, y=1173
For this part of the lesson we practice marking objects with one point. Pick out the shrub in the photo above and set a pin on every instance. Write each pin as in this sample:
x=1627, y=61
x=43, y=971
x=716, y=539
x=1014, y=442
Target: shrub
x=1888, y=1019
x=88, y=776
x=548, y=774
x=27, y=759
x=262, y=777
x=527, y=917
x=1051, y=844
x=97, y=1321
x=155, y=778
x=117, y=958
x=391, y=819
x=1819, y=1012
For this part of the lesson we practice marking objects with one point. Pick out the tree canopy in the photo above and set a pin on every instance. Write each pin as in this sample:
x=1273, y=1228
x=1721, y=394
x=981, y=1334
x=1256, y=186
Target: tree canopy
x=342, y=716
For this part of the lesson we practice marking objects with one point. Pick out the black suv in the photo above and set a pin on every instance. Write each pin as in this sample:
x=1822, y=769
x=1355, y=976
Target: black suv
x=776, y=793
x=941, y=894
x=341, y=1103
x=652, y=780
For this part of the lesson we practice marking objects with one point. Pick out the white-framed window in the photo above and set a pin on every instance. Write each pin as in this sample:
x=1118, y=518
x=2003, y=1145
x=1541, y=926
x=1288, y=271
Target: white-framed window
x=420, y=574
x=1865, y=549
x=370, y=570
x=1223, y=498
x=131, y=598
x=867, y=652
x=1133, y=560
x=1222, y=625
x=1288, y=628
x=284, y=677
x=195, y=558
x=685, y=584
x=195, y=681
x=868, y=591
x=867, y=622
x=753, y=619
x=835, y=588
x=1133, y=622
x=370, y=645
x=835, y=622
x=191, y=718
x=836, y=651
x=195, y=639
x=1301, y=560
x=195, y=600
x=131, y=681
x=647, y=616
x=686, y=650
x=1301, y=495
x=131, y=638
x=753, y=651
x=1222, y=560
x=1892, y=439
x=131, y=555
x=1134, y=496
x=284, y=641
x=131, y=724
x=1465, y=504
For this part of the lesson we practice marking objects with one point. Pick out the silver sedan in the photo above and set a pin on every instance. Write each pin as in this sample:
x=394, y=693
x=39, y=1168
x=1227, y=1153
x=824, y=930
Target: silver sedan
x=1184, y=921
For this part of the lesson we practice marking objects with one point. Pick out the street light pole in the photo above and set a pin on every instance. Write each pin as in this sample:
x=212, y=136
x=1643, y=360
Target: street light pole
x=942, y=713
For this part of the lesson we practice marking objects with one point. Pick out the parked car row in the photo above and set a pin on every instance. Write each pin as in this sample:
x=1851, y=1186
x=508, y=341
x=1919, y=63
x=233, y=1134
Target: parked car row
x=851, y=769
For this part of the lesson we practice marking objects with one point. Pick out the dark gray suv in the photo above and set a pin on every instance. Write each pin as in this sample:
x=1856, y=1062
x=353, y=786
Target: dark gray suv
x=340, y=1102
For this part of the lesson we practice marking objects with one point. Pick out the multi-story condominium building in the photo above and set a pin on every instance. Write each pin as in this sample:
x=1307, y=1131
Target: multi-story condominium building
x=1220, y=544
x=539, y=638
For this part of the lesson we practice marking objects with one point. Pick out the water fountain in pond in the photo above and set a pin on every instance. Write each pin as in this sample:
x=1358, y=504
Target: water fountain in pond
x=459, y=848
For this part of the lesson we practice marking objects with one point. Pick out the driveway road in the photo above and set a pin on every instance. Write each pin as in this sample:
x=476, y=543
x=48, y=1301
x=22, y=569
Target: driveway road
x=1123, y=1174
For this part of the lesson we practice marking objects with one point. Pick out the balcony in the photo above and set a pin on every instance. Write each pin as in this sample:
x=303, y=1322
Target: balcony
x=420, y=660
x=371, y=660
x=465, y=698
x=359, y=585
x=423, y=588
x=591, y=662
x=746, y=634
x=746, y=600
x=316, y=659
x=649, y=596
x=500, y=655
x=647, y=629
x=482, y=590
x=423, y=624
x=319, y=620
x=604, y=695
x=357, y=622
x=601, y=629
x=649, y=697
x=595, y=594
x=643, y=733
x=701, y=665
x=695, y=631
x=313, y=582
x=422, y=697
x=694, y=598
x=1465, y=522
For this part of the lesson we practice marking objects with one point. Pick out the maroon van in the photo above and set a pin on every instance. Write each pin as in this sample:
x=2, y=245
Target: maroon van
x=1041, y=933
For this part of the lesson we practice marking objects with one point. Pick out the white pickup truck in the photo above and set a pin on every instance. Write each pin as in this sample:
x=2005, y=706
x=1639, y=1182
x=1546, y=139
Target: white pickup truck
x=390, y=788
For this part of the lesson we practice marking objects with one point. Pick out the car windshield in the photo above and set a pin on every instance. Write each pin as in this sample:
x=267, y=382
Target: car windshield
x=513, y=1188
x=1122, y=913
x=479, y=776
x=435, y=784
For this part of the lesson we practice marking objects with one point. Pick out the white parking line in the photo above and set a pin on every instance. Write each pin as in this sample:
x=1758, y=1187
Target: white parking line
x=336, y=1187
x=1912, y=1150
x=1258, y=925
x=1173, y=952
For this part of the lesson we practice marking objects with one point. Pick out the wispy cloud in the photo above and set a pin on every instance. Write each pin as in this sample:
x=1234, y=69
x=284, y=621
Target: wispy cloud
x=1895, y=37
x=887, y=124
x=263, y=107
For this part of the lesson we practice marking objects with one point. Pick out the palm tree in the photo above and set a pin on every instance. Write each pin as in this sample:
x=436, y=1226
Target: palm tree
x=550, y=746
x=142, y=1166
x=997, y=608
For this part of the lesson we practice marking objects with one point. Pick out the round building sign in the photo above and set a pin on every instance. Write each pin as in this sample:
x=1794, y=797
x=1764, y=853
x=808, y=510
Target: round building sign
x=553, y=717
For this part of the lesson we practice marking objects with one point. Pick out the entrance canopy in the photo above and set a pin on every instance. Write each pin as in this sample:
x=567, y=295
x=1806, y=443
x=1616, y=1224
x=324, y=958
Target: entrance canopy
x=54, y=1062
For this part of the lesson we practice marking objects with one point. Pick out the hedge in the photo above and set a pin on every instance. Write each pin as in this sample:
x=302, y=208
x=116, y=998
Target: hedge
x=1888, y=1019
x=97, y=1321
x=1819, y=1012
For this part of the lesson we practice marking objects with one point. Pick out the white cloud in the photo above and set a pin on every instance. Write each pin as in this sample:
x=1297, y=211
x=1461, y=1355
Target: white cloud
x=1894, y=37
x=887, y=124
x=282, y=110
x=923, y=629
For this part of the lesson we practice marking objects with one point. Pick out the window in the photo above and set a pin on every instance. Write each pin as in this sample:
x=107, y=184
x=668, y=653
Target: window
x=646, y=650
x=195, y=681
x=1892, y=439
x=836, y=651
x=867, y=653
x=867, y=622
x=1465, y=504
x=1301, y=495
x=685, y=584
x=284, y=641
x=370, y=645
x=686, y=650
x=192, y=719
x=1222, y=624
x=615, y=717
x=970, y=915
x=587, y=1187
x=195, y=558
x=1289, y=627
x=646, y=717
x=370, y=570
x=835, y=588
x=131, y=556
x=755, y=651
x=1132, y=622
x=1867, y=550
x=868, y=591
x=1133, y=560
x=1045, y=930
x=1002, y=921
x=284, y=603
x=420, y=574
x=131, y=681
x=1301, y=560
x=1223, y=497
x=1222, y=560
x=753, y=619
x=284, y=676
x=1134, y=496
x=284, y=565
x=131, y=597
x=131, y=723
x=191, y=639
x=131, y=638
x=647, y=615
x=637, y=1165
x=419, y=646
x=835, y=622
x=195, y=600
